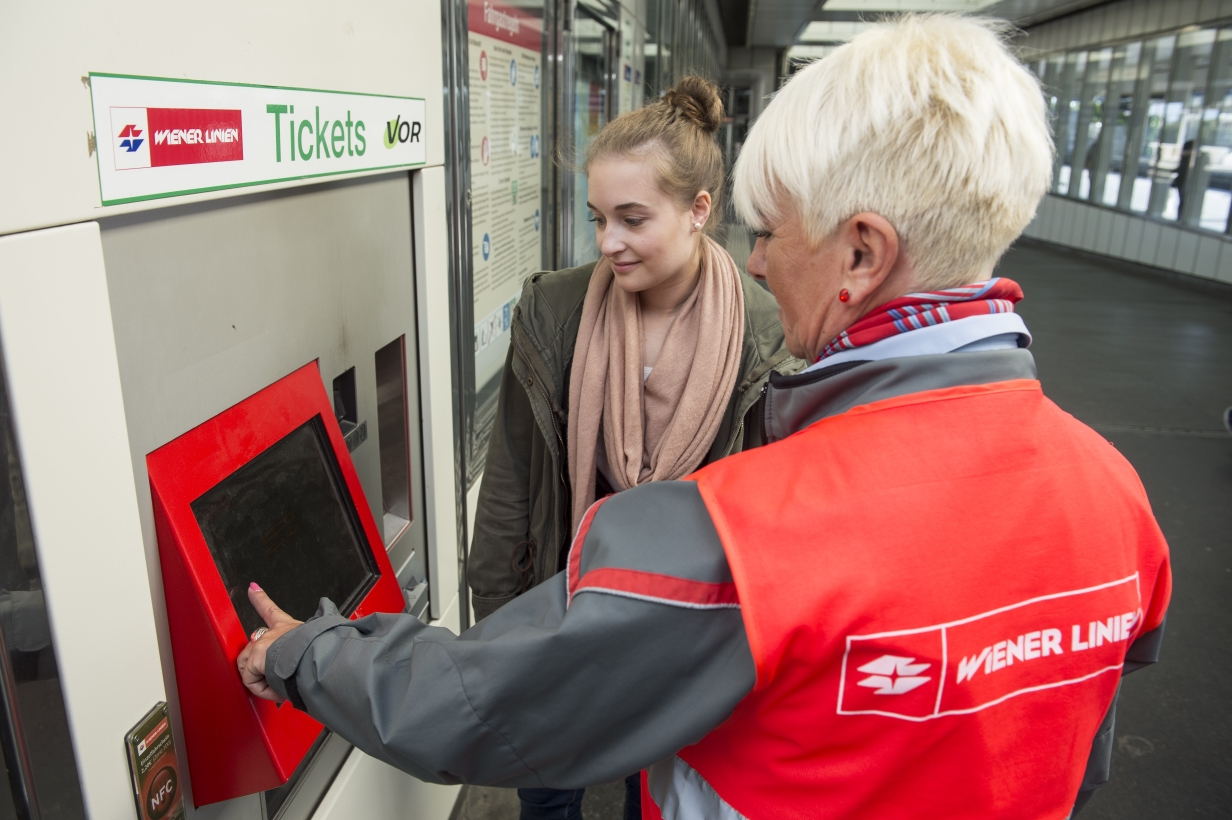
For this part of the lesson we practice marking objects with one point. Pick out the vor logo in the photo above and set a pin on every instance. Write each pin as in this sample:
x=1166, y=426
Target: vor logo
x=893, y=675
x=398, y=131
x=129, y=138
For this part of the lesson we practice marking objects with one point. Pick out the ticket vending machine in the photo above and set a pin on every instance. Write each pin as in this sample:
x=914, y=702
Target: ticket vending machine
x=225, y=257
x=264, y=492
x=247, y=333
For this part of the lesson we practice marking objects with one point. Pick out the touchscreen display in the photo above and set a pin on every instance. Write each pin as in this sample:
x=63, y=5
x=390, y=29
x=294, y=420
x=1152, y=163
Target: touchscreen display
x=285, y=521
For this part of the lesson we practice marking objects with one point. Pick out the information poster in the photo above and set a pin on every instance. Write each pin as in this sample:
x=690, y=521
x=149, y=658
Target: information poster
x=506, y=167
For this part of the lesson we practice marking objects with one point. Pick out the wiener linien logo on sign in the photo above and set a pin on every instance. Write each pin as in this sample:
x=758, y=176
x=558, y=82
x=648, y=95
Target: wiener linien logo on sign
x=170, y=137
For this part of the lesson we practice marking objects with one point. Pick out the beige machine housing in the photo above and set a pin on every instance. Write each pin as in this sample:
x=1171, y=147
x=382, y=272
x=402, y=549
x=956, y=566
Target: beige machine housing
x=124, y=326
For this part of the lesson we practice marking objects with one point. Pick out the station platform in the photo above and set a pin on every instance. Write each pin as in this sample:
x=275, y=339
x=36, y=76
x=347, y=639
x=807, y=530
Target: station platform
x=1145, y=358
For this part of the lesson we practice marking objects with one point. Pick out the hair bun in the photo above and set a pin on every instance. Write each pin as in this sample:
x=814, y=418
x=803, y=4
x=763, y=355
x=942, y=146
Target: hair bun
x=698, y=101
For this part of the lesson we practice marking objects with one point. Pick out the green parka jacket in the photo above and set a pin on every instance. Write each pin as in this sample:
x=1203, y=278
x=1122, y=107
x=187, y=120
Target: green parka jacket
x=522, y=524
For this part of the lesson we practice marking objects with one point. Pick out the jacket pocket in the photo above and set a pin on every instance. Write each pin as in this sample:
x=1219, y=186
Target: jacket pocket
x=484, y=606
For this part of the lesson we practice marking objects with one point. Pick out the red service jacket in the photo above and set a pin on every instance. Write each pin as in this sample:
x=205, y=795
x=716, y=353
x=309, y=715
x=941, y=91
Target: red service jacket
x=939, y=590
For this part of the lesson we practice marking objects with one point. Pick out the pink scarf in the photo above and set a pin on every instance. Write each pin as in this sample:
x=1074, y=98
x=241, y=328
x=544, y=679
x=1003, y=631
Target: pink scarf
x=658, y=428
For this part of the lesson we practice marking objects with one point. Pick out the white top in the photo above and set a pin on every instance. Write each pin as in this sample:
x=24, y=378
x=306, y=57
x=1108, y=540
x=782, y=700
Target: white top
x=994, y=331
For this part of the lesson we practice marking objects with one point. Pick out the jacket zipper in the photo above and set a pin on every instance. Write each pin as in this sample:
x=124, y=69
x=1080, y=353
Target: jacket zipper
x=758, y=404
x=760, y=407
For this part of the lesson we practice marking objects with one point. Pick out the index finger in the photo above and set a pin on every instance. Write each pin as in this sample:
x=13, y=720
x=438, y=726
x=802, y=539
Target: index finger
x=266, y=608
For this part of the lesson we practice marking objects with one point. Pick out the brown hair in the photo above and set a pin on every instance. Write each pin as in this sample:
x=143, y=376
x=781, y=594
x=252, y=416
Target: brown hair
x=676, y=133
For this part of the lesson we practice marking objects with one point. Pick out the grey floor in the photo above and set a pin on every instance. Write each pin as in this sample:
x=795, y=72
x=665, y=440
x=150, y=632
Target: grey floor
x=1146, y=359
x=606, y=802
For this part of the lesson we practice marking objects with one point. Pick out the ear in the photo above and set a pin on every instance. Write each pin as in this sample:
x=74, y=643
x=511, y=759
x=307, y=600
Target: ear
x=700, y=211
x=871, y=256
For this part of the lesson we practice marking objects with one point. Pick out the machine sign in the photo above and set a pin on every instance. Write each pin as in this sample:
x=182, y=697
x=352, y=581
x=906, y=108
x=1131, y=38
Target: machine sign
x=173, y=137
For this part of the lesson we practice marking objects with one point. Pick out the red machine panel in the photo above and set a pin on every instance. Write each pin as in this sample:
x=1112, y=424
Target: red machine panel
x=263, y=492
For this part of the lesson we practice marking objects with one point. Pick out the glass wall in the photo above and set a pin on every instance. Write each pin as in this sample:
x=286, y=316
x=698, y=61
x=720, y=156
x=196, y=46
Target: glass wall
x=679, y=41
x=624, y=53
x=1146, y=126
x=597, y=64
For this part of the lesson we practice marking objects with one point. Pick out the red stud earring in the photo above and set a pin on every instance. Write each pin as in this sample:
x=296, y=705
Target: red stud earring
x=843, y=295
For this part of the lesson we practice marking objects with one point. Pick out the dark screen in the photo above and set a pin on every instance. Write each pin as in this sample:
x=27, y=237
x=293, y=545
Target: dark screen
x=285, y=521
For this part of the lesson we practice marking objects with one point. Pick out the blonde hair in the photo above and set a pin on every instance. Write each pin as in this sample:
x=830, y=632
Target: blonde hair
x=927, y=120
x=676, y=134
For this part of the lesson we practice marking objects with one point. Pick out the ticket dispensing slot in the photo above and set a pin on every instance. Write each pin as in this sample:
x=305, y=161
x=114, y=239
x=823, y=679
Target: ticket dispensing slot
x=393, y=436
x=263, y=492
x=346, y=409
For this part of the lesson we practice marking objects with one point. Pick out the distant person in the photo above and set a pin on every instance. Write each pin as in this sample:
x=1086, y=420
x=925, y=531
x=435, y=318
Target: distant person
x=917, y=599
x=1181, y=180
x=641, y=367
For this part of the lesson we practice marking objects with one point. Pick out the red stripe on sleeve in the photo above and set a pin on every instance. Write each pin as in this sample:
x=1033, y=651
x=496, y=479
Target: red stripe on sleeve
x=575, y=550
x=666, y=588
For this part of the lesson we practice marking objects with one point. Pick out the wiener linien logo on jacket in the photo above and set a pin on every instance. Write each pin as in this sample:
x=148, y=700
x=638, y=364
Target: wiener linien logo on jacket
x=984, y=659
x=893, y=675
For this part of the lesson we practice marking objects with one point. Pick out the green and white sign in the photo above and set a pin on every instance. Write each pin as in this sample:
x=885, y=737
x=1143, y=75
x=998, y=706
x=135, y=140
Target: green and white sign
x=161, y=137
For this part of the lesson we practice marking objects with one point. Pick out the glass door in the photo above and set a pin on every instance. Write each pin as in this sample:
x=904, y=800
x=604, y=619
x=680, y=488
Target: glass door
x=596, y=47
x=1069, y=101
x=1090, y=123
x=34, y=735
x=1207, y=196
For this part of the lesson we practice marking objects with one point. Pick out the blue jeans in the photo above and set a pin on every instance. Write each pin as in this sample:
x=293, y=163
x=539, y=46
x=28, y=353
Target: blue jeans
x=566, y=804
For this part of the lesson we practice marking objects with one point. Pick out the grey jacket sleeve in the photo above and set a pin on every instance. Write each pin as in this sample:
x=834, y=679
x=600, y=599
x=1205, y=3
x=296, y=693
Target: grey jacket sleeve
x=1144, y=651
x=502, y=520
x=544, y=692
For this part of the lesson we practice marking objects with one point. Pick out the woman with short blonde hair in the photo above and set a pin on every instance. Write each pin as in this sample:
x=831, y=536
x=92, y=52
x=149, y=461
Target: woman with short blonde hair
x=927, y=121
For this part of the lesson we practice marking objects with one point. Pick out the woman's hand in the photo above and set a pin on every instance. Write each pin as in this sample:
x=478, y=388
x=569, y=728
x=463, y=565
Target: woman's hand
x=251, y=661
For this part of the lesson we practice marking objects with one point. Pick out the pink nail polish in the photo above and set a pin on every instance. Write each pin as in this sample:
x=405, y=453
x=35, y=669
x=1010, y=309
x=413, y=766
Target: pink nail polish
x=254, y=586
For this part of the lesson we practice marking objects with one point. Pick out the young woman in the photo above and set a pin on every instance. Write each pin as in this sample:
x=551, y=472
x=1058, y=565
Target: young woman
x=640, y=367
